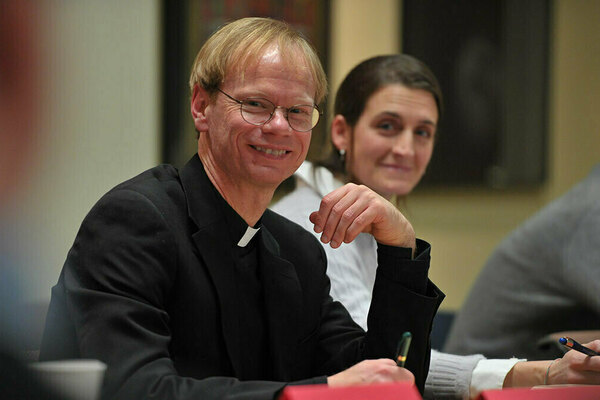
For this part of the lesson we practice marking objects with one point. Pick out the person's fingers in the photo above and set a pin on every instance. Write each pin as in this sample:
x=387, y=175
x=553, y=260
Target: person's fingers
x=338, y=218
x=577, y=368
x=371, y=371
x=387, y=361
x=320, y=217
x=385, y=370
x=364, y=220
x=580, y=361
x=347, y=211
x=594, y=345
x=393, y=373
x=404, y=375
x=332, y=209
x=582, y=377
x=352, y=222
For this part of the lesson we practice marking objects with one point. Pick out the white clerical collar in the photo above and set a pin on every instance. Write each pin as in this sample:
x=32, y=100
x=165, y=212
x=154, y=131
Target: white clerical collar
x=250, y=232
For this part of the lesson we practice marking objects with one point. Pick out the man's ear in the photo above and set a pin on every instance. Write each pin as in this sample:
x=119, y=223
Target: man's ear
x=199, y=103
x=340, y=133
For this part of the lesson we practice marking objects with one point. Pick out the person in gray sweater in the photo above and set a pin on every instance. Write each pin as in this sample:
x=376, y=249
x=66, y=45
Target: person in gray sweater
x=543, y=278
x=386, y=115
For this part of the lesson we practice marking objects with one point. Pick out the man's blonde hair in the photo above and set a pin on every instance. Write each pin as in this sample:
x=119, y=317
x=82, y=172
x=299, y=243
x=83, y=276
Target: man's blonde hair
x=242, y=42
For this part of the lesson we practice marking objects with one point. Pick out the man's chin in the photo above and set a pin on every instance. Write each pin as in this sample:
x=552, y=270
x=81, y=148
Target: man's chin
x=269, y=178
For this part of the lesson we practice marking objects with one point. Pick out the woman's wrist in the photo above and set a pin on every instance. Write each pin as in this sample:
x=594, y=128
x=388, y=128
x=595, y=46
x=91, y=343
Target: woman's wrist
x=528, y=374
x=547, y=377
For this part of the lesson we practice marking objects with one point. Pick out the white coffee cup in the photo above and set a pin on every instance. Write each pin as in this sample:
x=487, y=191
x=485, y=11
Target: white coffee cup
x=74, y=379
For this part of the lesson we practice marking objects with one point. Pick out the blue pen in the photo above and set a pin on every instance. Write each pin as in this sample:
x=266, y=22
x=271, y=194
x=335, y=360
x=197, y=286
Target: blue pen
x=572, y=344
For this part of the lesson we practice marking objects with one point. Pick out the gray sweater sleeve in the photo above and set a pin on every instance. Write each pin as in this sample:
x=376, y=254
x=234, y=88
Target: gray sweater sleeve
x=450, y=375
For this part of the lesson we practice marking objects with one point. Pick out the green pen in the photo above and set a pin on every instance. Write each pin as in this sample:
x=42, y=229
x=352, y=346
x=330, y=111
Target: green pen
x=402, y=350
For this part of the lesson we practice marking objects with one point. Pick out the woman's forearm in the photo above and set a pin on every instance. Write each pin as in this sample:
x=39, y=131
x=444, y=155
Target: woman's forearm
x=527, y=374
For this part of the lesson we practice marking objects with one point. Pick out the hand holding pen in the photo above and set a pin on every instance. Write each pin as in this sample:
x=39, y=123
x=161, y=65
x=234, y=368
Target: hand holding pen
x=572, y=344
x=377, y=371
x=575, y=367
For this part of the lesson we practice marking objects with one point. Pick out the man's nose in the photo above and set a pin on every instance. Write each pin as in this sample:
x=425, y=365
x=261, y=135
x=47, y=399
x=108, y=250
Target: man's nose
x=278, y=121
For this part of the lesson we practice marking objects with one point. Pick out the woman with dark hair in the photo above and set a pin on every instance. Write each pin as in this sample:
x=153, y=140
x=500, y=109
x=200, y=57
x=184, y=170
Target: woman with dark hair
x=391, y=73
x=386, y=115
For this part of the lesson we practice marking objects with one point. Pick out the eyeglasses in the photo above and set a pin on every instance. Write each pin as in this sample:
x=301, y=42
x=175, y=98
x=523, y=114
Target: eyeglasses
x=259, y=111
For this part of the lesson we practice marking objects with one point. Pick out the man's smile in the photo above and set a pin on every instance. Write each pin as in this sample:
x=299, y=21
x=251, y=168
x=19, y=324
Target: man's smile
x=274, y=152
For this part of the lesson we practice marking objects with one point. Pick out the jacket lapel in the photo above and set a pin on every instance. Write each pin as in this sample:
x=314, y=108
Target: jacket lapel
x=283, y=302
x=214, y=246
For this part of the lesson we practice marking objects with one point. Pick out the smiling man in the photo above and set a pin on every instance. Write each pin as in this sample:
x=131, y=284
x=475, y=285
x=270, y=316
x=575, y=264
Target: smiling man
x=188, y=287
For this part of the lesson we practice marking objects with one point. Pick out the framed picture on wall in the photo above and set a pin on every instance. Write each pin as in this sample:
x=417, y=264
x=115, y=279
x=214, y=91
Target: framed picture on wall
x=491, y=58
x=188, y=23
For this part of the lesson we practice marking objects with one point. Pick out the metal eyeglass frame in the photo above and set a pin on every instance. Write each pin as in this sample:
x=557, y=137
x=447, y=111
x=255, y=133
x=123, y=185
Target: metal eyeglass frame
x=272, y=113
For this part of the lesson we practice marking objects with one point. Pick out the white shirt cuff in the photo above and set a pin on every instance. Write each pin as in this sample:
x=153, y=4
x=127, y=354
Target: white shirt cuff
x=490, y=374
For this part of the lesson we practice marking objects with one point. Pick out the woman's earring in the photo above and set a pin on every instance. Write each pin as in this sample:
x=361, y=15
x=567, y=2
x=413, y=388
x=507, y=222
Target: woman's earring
x=342, y=155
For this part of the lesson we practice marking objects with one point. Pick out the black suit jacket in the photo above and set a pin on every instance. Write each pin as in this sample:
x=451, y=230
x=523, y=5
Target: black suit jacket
x=147, y=288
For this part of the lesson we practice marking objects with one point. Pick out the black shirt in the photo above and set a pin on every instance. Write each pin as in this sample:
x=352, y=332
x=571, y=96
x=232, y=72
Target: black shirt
x=252, y=322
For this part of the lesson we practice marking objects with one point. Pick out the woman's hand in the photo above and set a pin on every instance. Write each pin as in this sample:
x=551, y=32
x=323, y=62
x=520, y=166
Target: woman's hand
x=352, y=209
x=576, y=368
x=573, y=368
